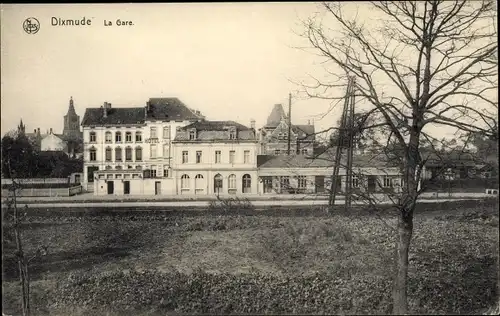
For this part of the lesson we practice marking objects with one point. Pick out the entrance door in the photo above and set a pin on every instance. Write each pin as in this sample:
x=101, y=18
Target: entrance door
x=126, y=187
x=157, y=188
x=111, y=187
x=319, y=183
x=372, y=184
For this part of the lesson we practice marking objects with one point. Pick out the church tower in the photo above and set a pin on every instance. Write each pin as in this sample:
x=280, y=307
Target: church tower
x=71, y=122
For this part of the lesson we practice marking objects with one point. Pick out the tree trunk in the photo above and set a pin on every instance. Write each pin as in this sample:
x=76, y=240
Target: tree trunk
x=399, y=292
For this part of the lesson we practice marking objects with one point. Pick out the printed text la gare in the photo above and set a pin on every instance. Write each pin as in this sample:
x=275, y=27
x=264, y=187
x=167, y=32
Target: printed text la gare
x=118, y=22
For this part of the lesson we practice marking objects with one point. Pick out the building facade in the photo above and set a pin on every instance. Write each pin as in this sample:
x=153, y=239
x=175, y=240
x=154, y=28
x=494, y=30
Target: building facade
x=215, y=157
x=274, y=136
x=134, y=138
x=53, y=142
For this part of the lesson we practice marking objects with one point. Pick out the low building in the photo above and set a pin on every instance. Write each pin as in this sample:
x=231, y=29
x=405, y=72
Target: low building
x=215, y=157
x=313, y=175
x=53, y=142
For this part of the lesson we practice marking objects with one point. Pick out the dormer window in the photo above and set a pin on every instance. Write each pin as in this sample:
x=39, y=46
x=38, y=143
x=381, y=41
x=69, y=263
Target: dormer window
x=232, y=133
x=192, y=134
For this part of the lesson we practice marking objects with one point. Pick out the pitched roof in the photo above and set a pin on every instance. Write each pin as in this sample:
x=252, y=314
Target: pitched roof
x=115, y=116
x=214, y=131
x=170, y=109
x=325, y=160
x=305, y=132
x=274, y=118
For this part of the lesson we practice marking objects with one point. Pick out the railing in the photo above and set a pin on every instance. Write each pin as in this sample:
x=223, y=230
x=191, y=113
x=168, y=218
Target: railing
x=37, y=180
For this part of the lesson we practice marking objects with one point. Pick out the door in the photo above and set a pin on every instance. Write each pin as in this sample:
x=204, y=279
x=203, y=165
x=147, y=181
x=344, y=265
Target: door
x=157, y=188
x=77, y=178
x=126, y=187
x=319, y=183
x=372, y=184
x=111, y=187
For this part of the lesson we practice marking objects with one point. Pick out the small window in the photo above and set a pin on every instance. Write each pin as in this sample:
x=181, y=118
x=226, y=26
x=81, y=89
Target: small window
x=138, y=137
x=109, y=154
x=217, y=156
x=128, y=137
x=301, y=182
x=277, y=151
x=185, y=182
x=192, y=135
x=232, y=154
x=355, y=181
x=128, y=154
x=246, y=156
x=93, y=137
x=153, y=171
x=93, y=154
x=184, y=157
x=153, y=150
x=108, y=137
x=138, y=154
x=198, y=156
x=118, y=154
x=152, y=132
x=387, y=182
x=304, y=151
x=166, y=151
x=166, y=132
x=232, y=134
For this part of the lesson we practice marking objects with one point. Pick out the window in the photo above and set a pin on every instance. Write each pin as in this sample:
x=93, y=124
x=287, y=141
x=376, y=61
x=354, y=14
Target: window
x=304, y=151
x=108, y=168
x=138, y=154
x=93, y=137
x=108, y=137
x=285, y=182
x=217, y=156
x=166, y=151
x=152, y=149
x=108, y=154
x=152, y=132
x=128, y=154
x=285, y=136
x=198, y=183
x=231, y=156
x=118, y=137
x=184, y=157
x=276, y=151
x=166, y=173
x=301, y=182
x=153, y=171
x=246, y=156
x=118, y=167
x=138, y=137
x=387, y=182
x=280, y=136
x=217, y=183
x=232, y=134
x=355, y=181
x=247, y=184
x=192, y=134
x=118, y=154
x=231, y=185
x=93, y=154
x=198, y=156
x=185, y=182
x=166, y=132
x=128, y=137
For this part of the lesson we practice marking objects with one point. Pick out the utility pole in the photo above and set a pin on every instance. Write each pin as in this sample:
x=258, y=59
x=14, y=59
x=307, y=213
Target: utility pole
x=346, y=134
x=289, y=121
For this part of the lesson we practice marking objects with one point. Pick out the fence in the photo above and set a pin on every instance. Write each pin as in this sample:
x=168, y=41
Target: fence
x=36, y=180
x=45, y=192
x=461, y=185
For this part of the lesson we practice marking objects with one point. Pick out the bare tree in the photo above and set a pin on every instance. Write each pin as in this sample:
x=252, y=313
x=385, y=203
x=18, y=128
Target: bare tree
x=417, y=65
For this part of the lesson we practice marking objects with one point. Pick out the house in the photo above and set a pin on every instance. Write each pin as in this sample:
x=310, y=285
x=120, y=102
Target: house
x=53, y=142
x=274, y=138
x=215, y=157
x=313, y=174
x=122, y=145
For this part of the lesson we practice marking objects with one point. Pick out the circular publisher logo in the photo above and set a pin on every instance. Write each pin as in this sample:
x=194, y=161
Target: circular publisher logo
x=31, y=25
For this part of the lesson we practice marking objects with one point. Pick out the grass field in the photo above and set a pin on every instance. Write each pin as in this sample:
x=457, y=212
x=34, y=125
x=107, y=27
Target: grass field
x=138, y=264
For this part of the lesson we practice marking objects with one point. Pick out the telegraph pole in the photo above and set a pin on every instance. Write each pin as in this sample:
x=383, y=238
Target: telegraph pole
x=289, y=121
x=345, y=135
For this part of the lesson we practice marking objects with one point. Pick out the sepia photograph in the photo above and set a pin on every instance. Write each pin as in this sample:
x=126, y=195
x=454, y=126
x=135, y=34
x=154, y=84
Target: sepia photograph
x=250, y=158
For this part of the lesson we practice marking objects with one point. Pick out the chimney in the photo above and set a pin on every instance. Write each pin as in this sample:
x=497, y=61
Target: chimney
x=105, y=109
x=252, y=124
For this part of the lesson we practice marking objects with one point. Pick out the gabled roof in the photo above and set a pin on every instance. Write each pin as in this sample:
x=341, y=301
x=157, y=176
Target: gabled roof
x=115, y=116
x=215, y=131
x=305, y=132
x=170, y=109
x=274, y=118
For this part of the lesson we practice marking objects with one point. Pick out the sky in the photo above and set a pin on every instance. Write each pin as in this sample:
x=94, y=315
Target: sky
x=231, y=61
